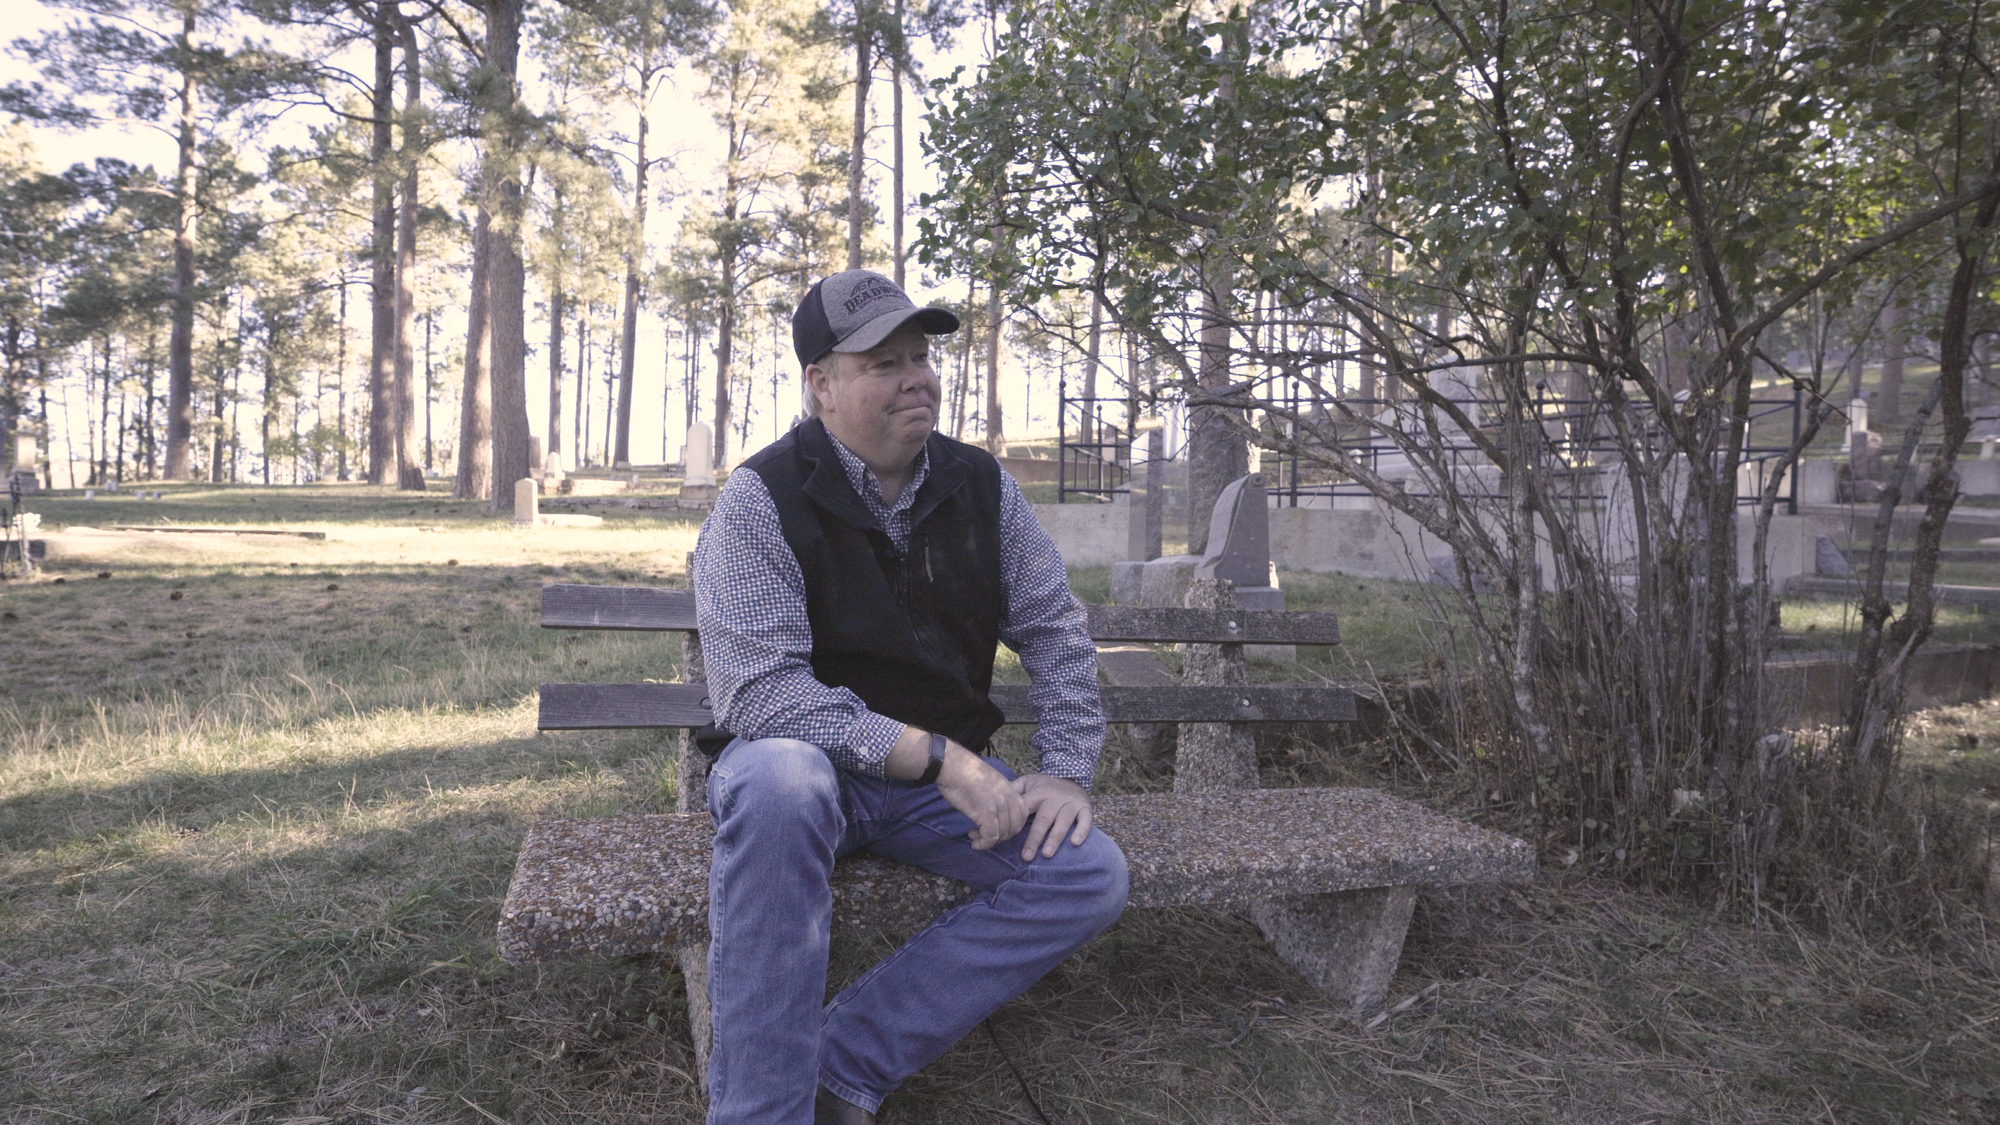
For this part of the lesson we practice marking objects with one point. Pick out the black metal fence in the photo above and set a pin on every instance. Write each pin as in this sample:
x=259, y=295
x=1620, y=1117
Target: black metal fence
x=1095, y=449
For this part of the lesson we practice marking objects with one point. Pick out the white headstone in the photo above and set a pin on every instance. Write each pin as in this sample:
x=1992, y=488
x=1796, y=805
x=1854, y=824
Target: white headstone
x=527, y=502
x=1857, y=422
x=699, y=455
x=24, y=453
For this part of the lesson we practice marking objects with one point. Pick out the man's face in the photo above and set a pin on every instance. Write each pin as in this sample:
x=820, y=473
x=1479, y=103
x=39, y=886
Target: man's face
x=883, y=402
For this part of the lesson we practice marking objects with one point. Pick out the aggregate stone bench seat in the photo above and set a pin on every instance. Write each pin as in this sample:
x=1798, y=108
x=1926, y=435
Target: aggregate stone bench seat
x=639, y=884
x=1329, y=875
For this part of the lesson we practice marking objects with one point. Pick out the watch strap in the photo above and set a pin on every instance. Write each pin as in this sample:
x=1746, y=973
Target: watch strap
x=936, y=766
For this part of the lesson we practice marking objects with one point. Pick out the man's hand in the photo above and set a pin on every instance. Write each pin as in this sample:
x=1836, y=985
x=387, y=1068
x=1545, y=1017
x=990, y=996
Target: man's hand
x=983, y=794
x=1058, y=807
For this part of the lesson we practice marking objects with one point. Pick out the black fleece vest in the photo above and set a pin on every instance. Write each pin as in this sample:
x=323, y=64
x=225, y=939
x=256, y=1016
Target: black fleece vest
x=913, y=635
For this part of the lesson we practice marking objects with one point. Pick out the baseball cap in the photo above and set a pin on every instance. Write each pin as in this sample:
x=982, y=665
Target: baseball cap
x=856, y=310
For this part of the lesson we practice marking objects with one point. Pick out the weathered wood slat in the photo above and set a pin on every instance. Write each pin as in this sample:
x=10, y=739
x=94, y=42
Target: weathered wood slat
x=1213, y=626
x=622, y=706
x=642, y=608
x=644, y=706
x=654, y=608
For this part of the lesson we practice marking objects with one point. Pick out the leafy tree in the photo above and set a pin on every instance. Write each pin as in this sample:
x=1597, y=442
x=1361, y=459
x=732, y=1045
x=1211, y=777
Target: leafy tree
x=1478, y=201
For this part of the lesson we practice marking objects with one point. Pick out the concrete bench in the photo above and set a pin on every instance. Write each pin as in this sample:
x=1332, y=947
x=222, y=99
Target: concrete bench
x=1330, y=875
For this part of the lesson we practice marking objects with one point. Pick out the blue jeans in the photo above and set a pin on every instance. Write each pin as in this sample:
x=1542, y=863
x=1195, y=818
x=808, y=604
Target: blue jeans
x=783, y=813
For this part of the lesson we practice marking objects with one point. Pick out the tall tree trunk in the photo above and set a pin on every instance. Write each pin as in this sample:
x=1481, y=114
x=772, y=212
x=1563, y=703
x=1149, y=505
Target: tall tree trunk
x=215, y=446
x=180, y=345
x=507, y=281
x=270, y=400
x=382, y=257
x=690, y=382
x=857, y=158
x=1895, y=344
x=896, y=128
x=628, y=340
x=409, y=474
x=580, y=413
x=152, y=436
x=725, y=341
x=964, y=367
x=1093, y=351
x=104, y=418
x=553, y=454
x=996, y=435
x=340, y=390
x=1216, y=455
x=475, y=406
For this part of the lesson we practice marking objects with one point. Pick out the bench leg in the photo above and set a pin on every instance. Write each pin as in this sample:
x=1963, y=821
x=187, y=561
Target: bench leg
x=1346, y=943
x=694, y=972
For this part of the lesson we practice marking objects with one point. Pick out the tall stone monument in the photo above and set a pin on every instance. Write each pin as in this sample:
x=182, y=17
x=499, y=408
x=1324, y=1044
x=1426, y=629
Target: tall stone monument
x=698, y=483
x=527, y=502
x=22, y=478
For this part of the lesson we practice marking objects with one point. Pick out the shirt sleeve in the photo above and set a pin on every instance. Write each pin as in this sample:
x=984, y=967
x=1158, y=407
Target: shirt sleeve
x=1045, y=624
x=756, y=639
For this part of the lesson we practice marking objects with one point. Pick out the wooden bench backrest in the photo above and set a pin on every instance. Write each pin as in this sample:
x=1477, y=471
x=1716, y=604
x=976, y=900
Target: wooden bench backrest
x=656, y=609
x=663, y=705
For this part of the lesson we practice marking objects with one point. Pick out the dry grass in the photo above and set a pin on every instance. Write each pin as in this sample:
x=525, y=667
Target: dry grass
x=253, y=875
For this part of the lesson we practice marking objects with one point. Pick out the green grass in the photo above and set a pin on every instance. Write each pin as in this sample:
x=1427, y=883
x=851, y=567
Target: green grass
x=253, y=842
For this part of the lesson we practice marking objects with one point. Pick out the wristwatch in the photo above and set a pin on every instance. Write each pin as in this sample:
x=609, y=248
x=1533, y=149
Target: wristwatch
x=930, y=774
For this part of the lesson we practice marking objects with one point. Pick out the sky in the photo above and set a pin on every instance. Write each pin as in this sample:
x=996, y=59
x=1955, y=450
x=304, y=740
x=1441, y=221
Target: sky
x=679, y=124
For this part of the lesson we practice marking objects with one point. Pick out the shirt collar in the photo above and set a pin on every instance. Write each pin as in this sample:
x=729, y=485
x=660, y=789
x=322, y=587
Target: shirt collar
x=870, y=489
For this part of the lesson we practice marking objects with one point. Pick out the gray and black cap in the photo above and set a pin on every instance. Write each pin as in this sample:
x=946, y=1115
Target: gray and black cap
x=856, y=310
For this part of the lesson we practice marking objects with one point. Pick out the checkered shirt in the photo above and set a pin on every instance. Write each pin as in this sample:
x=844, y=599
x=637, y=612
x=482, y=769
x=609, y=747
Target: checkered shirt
x=756, y=641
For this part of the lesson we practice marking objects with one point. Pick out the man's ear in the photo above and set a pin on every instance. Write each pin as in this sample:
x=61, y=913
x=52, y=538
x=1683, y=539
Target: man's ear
x=819, y=381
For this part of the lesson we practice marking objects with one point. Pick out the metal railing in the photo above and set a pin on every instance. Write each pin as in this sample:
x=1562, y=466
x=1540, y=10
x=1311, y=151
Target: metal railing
x=1095, y=451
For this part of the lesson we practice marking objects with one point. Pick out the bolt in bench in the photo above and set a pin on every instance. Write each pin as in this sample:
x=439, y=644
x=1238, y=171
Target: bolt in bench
x=1329, y=874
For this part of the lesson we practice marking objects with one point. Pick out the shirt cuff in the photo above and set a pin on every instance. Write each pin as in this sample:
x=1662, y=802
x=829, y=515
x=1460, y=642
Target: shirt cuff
x=874, y=737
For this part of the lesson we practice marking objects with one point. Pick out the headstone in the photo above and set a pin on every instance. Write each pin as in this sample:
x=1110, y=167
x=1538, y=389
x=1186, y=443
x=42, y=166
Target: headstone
x=1986, y=449
x=1865, y=460
x=698, y=481
x=1239, y=535
x=1857, y=422
x=1819, y=482
x=535, y=467
x=1239, y=552
x=552, y=465
x=700, y=455
x=1136, y=546
x=527, y=502
x=24, y=453
x=1828, y=561
x=90, y=494
x=1444, y=568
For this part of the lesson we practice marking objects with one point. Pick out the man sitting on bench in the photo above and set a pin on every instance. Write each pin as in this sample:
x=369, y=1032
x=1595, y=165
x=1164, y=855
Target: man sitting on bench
x=851, y=585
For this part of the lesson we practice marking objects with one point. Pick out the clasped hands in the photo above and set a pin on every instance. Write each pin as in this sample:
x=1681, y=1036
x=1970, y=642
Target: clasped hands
x=997, y=806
